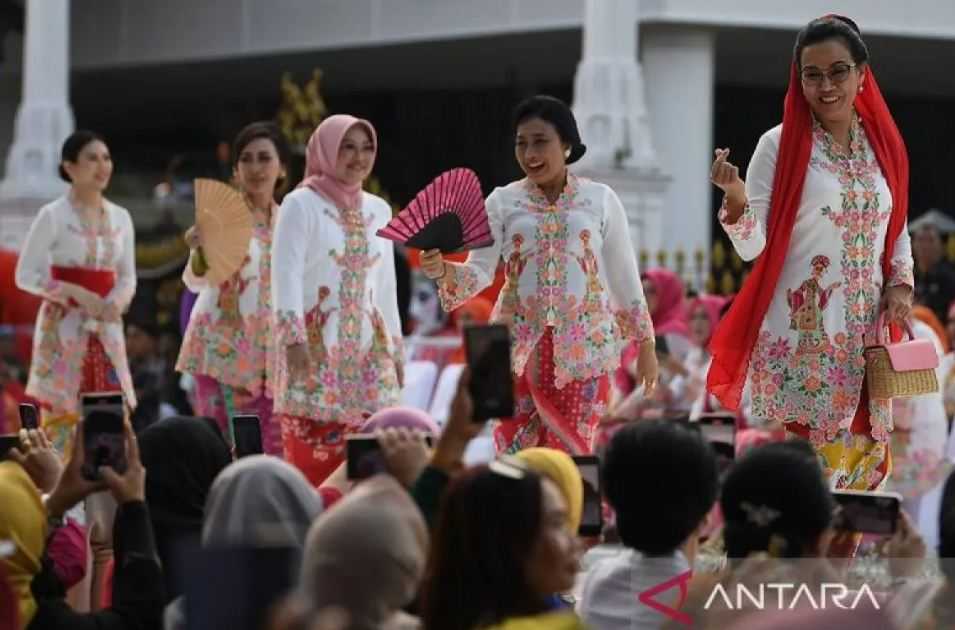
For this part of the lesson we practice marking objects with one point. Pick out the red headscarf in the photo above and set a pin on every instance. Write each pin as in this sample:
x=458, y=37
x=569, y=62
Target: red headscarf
x=732, y=344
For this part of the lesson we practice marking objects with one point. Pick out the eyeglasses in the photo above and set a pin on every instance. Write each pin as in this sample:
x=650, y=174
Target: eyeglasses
x=838, y=73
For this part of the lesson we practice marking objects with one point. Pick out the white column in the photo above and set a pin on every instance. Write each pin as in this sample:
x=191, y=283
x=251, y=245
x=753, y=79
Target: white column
x=678, y=65
x=612, y=115
x=608, y=88
x=44, y=118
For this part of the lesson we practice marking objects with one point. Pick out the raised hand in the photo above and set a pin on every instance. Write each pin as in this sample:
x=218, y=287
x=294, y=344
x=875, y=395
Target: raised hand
x=725, y=176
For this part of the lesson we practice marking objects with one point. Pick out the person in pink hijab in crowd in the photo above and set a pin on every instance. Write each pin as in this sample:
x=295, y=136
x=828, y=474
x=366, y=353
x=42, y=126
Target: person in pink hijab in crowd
x=666, y=301
x=338, y=332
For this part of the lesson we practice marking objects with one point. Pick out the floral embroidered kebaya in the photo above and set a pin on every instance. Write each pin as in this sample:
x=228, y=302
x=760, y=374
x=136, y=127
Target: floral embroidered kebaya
x=229, y=337
x=808, y=365
x=569, y=266
x=334, y=288
x=59, y=237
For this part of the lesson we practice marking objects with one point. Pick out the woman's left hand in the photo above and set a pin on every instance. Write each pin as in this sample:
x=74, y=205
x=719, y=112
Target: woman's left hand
x=897, y=304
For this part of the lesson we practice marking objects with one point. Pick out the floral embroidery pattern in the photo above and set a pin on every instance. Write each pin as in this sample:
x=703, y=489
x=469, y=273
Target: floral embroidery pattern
x=817, y=382
x=457, y=286
x=901, y=273
x=234, y=347
x=550, y=241
x=744, y=227
x=63, y=332
x=347, y=381
x=289, y=328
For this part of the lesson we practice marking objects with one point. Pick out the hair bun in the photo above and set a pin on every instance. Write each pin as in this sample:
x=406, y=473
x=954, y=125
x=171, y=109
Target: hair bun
x=848, y=21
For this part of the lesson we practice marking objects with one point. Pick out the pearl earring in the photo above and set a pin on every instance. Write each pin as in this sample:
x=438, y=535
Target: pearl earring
x=567, y=153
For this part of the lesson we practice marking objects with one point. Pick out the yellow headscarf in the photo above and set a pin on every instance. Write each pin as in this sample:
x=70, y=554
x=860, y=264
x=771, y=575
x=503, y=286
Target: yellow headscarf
x=561, y=469
x=547, y=621
x=23, y=523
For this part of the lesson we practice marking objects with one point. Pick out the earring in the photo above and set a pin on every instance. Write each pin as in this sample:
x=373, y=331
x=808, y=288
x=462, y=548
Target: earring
x=567, y=153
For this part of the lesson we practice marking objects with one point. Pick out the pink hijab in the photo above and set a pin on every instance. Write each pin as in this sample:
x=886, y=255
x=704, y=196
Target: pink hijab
x=321, y=156
x=670, y=315
x=712, y=304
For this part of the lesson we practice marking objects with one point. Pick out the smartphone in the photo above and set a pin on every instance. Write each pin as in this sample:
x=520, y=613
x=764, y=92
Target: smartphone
x=363, y=455
x=719, y=430
x=247, y=433
x=592, y=520
x=488, y=350
x=101, y=400
x=867, y=512
x=29, y=416
x=104, y=441
x=8, y=442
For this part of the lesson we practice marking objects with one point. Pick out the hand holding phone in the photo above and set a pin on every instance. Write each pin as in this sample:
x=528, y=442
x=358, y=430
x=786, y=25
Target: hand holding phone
x=365, y=456
x=867, y=512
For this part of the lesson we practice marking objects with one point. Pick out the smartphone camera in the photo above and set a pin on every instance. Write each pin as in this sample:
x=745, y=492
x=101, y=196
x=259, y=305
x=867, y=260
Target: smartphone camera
x=591, y=522
x=104, y=441
x=29, y=417
x=488, y=351
x=247, y=433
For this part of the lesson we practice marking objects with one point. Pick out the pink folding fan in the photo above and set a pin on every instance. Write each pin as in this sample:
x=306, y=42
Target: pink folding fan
x=448, y=214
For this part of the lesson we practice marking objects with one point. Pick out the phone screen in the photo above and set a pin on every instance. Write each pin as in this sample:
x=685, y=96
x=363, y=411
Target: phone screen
x=7, y=443
x=100, y=400
x=591, y=522
x=104, y=443
x=363, y=455
x=248, y=435
x=29, y=417
x=489, y=357
x=719, y=430
x=867, y=512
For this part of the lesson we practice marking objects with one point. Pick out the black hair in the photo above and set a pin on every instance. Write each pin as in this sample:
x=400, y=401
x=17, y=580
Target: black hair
x=485, y=533
x=776, y=499
x=72, y=147
x=653, y=516
x=556, y=112
x=832, y=27
x=264, y=129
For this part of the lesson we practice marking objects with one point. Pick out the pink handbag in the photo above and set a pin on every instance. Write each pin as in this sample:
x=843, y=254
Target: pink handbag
x=902, y=369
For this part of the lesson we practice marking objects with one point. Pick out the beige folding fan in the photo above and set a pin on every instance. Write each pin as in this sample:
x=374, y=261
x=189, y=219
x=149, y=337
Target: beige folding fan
x=225, y=222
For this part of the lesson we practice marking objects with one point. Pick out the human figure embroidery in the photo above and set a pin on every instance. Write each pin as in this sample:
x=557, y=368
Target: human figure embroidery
x=513, y=268
x=229, y=293
x=806, y=305
x=314, y=323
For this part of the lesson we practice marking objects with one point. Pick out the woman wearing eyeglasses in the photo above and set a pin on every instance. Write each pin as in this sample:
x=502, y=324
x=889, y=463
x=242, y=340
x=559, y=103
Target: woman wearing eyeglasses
x=823, y=212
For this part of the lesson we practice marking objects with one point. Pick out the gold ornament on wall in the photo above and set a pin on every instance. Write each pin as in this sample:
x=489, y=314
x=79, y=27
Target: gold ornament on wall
x=302, y=109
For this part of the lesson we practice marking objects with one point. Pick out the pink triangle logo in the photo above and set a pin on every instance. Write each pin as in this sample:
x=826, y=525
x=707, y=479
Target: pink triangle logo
x=647, y=598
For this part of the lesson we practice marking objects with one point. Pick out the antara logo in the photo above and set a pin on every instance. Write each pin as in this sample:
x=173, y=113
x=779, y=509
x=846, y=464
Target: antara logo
x=647, y=598
x=789, y=596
